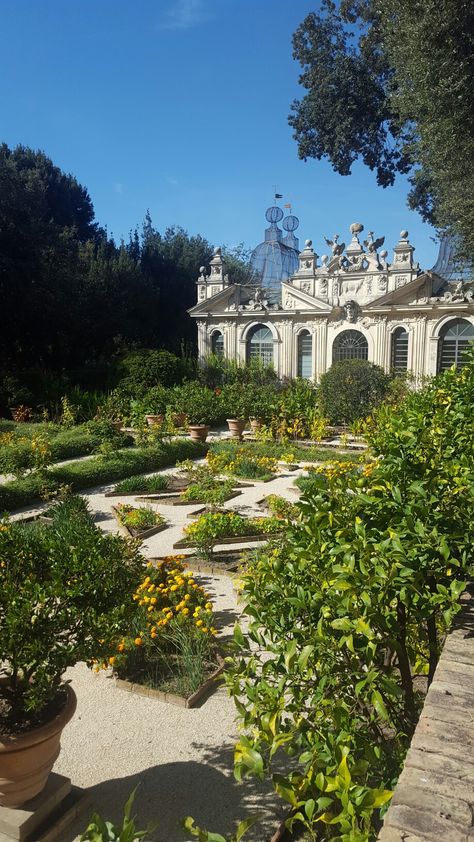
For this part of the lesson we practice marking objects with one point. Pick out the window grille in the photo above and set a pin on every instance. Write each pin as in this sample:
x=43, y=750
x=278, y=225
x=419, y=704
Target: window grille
x=399, y=350
x=350, y=345
x=260, y=345
x=217, y=343
x=454, y=339
x=305, y=354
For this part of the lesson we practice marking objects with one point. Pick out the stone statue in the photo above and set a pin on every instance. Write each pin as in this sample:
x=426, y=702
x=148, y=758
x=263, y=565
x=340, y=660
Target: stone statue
x=351, y=311
x=460, y=292
x=372, y=246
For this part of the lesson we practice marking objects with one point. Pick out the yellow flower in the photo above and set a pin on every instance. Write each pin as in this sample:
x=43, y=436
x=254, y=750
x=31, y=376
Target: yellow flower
x=199, y=623
x=138, y=641
x=185, y=611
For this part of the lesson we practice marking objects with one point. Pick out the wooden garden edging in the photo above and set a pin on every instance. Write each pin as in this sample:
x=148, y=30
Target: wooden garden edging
x=202, y=693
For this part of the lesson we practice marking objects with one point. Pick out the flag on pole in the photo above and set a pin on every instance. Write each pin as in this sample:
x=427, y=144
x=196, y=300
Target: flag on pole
x=278, y=195
x=287, y=206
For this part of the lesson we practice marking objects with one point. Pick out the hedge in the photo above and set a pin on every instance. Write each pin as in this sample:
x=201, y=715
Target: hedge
x=97, y=471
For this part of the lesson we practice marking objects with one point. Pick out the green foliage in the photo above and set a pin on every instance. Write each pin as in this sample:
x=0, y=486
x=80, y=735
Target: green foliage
x=351, y=389
x=207, y=836
x=240, y=461
x=209, y=527
x=53, y=613
x=201, y=404
x=347, y=611
x=138, y=517
x=375, y=93
x=141, y=485
x=99, y=830
x=219, y=371
x=96, y=471
x=275, y=450
x=148, y=368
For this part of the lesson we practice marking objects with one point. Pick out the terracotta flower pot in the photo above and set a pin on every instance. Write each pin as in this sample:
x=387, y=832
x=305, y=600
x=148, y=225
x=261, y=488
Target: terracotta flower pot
x=236, y=427
x=27, y=759
x=256, y=424
x=199, y=432
x=154, y=420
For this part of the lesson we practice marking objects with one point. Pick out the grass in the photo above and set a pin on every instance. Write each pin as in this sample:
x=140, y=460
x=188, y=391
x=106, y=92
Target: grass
x=96, y=471
x=140, y=484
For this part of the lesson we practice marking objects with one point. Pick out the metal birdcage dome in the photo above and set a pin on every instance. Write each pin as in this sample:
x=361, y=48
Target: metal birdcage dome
x=274, y=260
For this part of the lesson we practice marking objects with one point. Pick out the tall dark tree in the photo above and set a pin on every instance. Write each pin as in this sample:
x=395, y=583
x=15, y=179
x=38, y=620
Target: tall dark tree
x=390, y=82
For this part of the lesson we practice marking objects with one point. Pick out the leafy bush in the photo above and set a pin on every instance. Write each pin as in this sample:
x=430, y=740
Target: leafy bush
x=351, y=389
x=147, y=368
x=96, y=471
x=350, y=609
x=216, y=371
x=52, y=614
x=201, y=404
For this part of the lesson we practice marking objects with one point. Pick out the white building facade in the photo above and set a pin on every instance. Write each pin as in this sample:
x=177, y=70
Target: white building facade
x=353, y=303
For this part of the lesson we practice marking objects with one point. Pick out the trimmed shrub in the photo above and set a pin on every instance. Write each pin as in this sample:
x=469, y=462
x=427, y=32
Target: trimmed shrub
x=96, y=471
x=351, y=389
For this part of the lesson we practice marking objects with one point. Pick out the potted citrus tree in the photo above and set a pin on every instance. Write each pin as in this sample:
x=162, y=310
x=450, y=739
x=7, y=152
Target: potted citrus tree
x=201, y=406
x=237, y=401
x=53, y=613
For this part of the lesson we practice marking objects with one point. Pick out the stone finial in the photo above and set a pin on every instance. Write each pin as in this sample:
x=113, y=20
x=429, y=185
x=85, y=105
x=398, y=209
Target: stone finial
x=308, y=244
x=356, y=228
x=217, y=251
x=404, y=234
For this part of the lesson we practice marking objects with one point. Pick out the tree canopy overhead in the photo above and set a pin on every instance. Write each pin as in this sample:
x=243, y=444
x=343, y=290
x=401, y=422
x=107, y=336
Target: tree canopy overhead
x=391, y=83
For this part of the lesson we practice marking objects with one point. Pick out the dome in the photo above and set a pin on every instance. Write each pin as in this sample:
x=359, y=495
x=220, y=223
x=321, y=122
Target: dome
x=276, y=259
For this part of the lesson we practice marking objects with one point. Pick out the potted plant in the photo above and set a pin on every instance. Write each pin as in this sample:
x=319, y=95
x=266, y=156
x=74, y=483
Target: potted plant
x=201, y=406
x=237, y=401
x=52, y=615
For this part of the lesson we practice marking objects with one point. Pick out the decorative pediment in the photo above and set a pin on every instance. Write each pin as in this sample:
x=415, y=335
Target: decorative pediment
x=415, y=292
x=297, y=299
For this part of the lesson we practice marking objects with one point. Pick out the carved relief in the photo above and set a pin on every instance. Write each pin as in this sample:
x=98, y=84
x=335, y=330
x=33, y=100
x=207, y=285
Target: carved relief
x=289, y=302
x=400, y=280
x=306, y=287
x=201, y=293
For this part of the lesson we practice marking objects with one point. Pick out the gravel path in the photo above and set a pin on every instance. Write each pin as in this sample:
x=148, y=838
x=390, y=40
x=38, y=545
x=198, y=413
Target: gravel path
x=182, y=759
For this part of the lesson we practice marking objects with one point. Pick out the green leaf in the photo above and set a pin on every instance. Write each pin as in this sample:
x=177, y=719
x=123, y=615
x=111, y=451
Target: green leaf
x=304, y=655
x=244, y=825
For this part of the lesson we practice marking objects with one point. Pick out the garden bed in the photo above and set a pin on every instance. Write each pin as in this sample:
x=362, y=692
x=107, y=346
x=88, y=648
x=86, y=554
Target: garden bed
x=224, y=562
x=138, y=532
x=207, y=688
x=175, y=499
x=233, y=539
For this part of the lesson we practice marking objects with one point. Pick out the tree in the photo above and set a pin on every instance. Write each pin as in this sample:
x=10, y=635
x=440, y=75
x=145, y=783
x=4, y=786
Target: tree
x=390, y=82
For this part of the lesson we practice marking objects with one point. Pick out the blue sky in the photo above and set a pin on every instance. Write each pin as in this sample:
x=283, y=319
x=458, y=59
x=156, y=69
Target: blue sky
x=181, y=106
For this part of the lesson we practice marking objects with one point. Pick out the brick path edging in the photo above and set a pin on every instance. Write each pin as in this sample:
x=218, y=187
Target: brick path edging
x=434, y=796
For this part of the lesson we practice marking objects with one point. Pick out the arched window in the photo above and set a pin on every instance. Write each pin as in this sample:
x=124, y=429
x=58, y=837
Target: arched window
x=454, y=338
x=217, y=343
x=350, y=345
x=260, y=344
x=305, y=354
x=399, y=350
